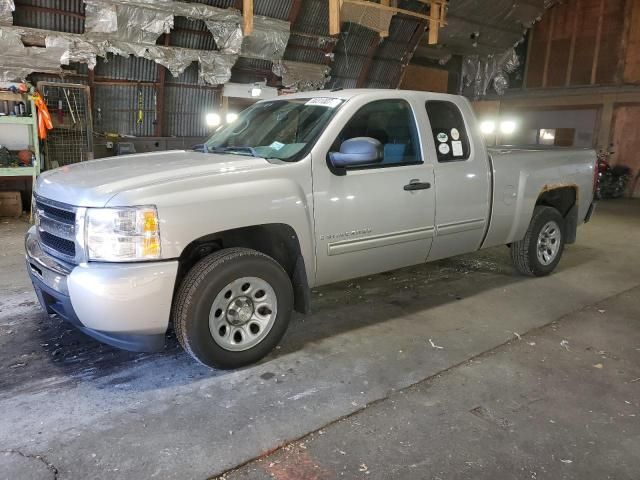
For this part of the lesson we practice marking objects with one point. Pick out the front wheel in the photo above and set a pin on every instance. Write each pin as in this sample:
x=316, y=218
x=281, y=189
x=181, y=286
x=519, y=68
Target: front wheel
x=540, y=251
x=232, y=308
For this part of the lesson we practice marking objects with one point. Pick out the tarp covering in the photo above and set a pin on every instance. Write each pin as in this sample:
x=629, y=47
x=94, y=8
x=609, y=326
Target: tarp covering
x=302, y=76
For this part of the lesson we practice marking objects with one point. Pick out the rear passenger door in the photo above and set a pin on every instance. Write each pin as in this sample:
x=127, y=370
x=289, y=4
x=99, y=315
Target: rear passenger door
x=462, y=181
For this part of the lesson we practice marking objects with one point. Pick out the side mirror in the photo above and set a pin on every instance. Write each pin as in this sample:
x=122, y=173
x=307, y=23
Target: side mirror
x=356, y=152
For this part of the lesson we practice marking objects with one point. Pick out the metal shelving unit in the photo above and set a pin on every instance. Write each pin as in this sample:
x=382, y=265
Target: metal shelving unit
x=32, y=122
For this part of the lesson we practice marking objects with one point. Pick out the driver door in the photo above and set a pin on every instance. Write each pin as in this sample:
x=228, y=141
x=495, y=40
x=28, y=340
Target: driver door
x=369, y=218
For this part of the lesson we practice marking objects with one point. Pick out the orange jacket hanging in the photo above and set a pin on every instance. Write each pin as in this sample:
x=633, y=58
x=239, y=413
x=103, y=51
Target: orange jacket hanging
x=44, y=118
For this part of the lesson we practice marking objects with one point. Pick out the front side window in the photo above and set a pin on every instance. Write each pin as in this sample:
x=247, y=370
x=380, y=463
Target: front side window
x=392, y=123
x=449, y=131
x=276, y=129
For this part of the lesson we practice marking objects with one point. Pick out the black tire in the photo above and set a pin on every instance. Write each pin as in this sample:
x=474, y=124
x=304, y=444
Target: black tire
x=204, y=282
x=524, y=253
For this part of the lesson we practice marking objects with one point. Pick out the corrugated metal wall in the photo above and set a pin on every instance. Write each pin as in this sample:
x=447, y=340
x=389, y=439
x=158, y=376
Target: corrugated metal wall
x=186, y=108
x=358, y=58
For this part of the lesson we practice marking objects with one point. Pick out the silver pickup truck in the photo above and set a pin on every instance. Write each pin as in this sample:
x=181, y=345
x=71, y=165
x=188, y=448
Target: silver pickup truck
x=299, y=191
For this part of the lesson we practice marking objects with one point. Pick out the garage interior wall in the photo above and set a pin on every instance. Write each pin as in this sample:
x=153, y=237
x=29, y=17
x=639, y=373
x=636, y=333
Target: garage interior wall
x=582, y=73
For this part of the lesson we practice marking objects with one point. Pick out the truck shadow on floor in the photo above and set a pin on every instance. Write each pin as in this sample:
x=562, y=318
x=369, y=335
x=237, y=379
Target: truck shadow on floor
x=46, y=353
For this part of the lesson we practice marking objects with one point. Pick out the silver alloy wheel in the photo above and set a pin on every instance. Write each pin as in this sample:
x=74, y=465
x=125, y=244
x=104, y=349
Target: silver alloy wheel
x=549, y=243
x=243, y=313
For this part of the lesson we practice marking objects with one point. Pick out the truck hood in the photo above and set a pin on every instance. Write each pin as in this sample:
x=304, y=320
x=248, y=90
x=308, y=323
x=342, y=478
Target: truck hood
x=94, y=183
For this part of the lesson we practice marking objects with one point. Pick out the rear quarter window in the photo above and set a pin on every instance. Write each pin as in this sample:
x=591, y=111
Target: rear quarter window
x=449, y=131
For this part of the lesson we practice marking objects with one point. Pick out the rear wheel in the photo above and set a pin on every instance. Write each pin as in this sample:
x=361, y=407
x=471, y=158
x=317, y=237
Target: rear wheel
x=540, y=251
x=232, y=308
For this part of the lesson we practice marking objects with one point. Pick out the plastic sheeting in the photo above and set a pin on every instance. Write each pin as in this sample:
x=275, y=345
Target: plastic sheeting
x=125, y=28
x=19, y=61
x=100, y=17
x=302, y=76
x=128, y=23
x=268, y=41
x=228, y=35
x=6, y=9
x=480, y=72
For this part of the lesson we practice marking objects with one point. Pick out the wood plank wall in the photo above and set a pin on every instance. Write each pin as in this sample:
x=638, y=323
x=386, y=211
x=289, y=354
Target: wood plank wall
x=632, y=64
x=586, y=42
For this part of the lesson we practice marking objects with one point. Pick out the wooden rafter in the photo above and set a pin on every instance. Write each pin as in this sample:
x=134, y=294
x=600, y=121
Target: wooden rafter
x=436, y=18
x=334, y=16
x=247, y=16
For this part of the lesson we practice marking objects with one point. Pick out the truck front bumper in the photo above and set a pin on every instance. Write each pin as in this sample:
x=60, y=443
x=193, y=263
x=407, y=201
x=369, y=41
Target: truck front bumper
x=126, y=305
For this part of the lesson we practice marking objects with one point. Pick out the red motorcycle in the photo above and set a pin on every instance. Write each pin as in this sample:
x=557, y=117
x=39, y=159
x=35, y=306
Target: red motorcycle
x=612, y=181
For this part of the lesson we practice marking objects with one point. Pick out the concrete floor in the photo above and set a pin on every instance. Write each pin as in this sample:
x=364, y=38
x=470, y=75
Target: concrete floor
x=457, y=369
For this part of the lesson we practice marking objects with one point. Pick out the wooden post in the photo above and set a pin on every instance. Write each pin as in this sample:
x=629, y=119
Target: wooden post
x=547, y=55
x=596, y=55
x=334, y=17
x=574, y=36
x=434, y=23
x=247, y=16
x=385, y=3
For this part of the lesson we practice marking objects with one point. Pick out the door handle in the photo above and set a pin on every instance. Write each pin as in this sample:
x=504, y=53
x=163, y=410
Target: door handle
x=417, y=185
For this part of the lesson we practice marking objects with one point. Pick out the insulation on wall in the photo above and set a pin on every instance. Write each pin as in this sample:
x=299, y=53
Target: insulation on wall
x=6, y=12
x=302, y=76
x=133, y=28
x=482, y=72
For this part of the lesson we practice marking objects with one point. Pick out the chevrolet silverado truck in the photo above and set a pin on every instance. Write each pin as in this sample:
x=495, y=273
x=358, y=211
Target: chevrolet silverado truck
x=225, y=241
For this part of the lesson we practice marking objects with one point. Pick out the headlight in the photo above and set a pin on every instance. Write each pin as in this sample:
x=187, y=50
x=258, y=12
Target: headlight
x=122, y=234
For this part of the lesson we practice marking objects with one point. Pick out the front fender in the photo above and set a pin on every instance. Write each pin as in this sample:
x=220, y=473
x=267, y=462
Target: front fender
x=192, y=208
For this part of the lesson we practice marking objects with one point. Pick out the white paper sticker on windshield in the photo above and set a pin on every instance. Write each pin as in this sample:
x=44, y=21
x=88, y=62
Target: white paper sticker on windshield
x=444, y=149
x=325, y=102
x=442, y=137
x=276, y=145
x=458, y=151
x=455, y=134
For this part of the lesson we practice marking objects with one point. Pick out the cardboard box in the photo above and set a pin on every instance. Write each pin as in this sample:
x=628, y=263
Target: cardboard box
x=10, y=204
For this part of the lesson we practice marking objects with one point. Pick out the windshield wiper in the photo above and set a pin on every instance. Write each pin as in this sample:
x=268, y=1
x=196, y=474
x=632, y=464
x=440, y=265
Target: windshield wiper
x=233, y=150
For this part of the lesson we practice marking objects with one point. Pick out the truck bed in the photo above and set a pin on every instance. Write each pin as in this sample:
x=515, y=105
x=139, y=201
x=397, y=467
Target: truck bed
x=522, y=173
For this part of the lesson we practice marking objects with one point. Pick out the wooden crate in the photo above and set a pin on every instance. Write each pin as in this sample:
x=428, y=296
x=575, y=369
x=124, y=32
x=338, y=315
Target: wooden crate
x=10, y=204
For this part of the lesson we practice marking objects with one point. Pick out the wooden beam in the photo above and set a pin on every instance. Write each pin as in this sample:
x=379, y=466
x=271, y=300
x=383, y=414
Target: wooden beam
x=547, y=55
x=247, y=16
x=434, y=24
x=409, y=13
x=574, y=36
x=596, y=55
x=628, y=23
x=386, y=3
x=334, y=17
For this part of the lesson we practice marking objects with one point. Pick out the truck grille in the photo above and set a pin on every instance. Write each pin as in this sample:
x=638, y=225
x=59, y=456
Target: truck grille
x=56, y=228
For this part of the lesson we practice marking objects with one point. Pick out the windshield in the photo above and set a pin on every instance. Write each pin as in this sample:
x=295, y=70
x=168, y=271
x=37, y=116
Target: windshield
x=280, y=129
